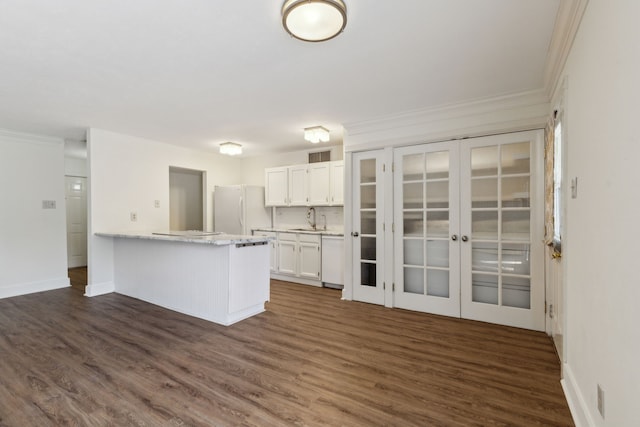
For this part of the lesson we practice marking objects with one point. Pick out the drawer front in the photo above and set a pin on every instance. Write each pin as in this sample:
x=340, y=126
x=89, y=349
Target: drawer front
x=309, y=238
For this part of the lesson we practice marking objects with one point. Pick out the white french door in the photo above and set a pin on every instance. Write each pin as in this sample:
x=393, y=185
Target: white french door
x=468, y=229
x=368, y=227
x=427, y=250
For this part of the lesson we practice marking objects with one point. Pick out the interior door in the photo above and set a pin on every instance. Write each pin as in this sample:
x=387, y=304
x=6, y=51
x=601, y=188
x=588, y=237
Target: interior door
x=368, y=223
x=76, y=194
x=501, y=226
x=426, y=238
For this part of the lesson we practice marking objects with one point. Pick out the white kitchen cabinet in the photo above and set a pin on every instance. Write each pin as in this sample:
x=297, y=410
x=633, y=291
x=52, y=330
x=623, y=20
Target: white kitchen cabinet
x=273, y=247
x=287, y=253
x=336, y=183
x=299, y=258
x=309, y=256
x=313, y=184
x=276, y=186
x=298, y=185
x=319, y=183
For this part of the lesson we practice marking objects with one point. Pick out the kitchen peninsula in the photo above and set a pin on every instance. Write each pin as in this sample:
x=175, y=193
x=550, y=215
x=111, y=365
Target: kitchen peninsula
x=217, y=277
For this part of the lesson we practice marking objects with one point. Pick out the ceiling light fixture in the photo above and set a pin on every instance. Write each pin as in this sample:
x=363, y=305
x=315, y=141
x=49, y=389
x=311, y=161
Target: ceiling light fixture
x=314, y=20
x=230, y=148
x=316, y=134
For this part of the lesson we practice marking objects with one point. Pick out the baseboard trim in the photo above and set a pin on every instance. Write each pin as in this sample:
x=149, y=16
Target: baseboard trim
x=295, y=279
x=32, y=287
x=96, y=289
x=575, y=399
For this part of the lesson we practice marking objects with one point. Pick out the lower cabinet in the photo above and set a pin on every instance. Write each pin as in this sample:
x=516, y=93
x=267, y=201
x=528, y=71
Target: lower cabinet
x=299, y=258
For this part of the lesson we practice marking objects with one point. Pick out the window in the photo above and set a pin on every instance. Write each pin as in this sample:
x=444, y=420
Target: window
x=557, y=184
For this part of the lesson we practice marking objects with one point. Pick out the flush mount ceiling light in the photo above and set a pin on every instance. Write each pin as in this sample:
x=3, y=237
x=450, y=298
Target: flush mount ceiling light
x=316, y=134
x=314, y=20
x=230, y=148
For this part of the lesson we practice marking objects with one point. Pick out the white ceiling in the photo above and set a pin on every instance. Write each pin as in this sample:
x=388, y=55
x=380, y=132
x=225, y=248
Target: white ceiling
x=201, y=72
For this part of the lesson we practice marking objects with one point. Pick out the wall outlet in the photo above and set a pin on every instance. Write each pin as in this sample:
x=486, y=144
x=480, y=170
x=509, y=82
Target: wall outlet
x=48, y=204
x=133, y=216
x=156, y=203
x=600, y=400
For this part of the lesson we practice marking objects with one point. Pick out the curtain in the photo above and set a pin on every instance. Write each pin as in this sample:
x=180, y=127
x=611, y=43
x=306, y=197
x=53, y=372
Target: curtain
x=548, y=181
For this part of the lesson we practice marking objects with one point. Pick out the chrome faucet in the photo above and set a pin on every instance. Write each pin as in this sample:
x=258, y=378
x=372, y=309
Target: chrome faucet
x=324, y=218
x=311, y=219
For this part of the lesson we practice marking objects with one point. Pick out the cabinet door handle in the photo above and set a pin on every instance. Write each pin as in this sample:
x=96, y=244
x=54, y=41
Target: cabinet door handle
x=454, y=237
x=355, y=233
x=464, y=238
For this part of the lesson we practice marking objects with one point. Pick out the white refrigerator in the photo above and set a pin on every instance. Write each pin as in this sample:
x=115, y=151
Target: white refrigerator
x=239, y=208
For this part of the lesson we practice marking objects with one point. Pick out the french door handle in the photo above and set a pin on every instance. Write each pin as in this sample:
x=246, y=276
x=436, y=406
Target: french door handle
x=454, y=237
x=355, y=233
x=464, y=238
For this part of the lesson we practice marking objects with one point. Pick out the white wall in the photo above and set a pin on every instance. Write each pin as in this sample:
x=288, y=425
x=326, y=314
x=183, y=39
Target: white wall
x=602, y=234
x=33, y=246
x=127, y=174
x=74, y=166
x=253, y=167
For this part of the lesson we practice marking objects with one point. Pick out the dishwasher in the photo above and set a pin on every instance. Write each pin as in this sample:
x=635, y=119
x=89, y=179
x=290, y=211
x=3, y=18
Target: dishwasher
x=333, y=262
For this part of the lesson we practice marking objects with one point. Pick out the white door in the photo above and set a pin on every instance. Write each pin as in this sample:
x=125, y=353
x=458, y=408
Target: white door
x=287, y=253
x=298, y=185
x=319, y=184
x=468, y=229
x=502, y=230
x=427, y=244
x=368, y=223
x=276, y=186
x=336, y=180
x=76, y=194
x=309, y=260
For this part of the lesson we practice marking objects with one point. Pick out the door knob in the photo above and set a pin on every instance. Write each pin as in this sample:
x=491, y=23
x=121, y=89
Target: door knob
x=355, y=234
x=454, y=237
x=464, y=238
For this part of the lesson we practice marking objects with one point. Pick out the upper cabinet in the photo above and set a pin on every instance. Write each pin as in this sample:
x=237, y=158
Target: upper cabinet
x=313, y=184
x=336, y=183
x=276, y=187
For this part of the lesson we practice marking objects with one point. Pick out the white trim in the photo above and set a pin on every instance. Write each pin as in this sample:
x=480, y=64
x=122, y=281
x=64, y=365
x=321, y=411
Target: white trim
x=575, y=399
x=29, y=138
x=295, y=279
x=503, y=114
x=99, y=289
x=31, y=287
x=567, y=23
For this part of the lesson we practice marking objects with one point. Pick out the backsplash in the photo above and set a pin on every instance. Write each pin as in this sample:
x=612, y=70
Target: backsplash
x=296, y=217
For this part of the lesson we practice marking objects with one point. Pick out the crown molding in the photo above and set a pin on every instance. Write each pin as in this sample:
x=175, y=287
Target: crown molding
x=29, y=138
x=508, y=113
x=567, y=23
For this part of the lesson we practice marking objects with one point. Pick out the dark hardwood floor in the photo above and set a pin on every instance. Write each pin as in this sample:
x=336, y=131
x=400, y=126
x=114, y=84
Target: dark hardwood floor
x=310, y=359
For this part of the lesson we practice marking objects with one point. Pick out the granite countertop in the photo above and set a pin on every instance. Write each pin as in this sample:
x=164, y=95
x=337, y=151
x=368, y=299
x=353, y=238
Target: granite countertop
x=301, y=230
x=207, y=238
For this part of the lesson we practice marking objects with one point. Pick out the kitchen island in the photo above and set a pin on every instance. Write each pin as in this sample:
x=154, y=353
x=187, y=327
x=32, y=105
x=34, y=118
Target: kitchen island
x=217, y=277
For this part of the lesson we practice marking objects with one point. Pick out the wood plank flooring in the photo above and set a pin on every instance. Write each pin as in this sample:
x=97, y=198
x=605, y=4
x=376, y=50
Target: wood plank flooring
x=78, y=277
x=309, y=360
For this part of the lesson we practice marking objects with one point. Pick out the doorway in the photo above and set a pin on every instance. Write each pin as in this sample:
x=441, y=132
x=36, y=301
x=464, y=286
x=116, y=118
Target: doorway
x=76, y=195
x=186, y=199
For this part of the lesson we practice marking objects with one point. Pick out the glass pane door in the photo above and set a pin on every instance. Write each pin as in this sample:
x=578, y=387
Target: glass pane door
x=368, y=217
x=426, y=217
x=497, y=217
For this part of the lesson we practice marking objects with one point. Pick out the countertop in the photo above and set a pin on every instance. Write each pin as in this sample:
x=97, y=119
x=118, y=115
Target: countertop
x=301, y=230
x=207, y=238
